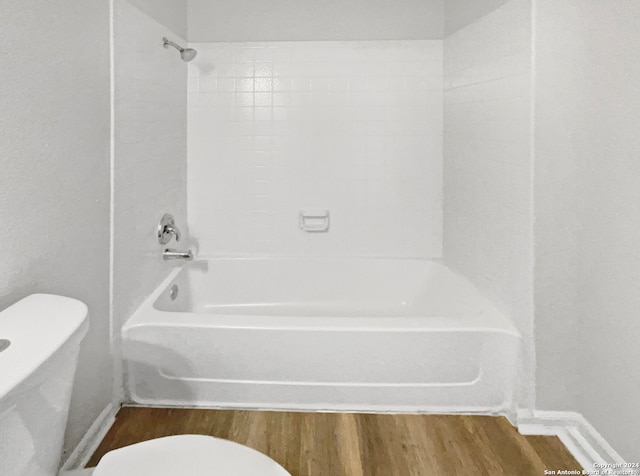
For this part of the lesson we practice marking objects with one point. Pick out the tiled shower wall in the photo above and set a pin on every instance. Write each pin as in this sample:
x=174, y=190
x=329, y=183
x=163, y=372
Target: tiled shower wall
x=350, y=127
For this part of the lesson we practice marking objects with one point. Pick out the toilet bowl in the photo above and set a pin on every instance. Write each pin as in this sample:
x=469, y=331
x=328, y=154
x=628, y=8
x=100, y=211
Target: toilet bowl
x=187, y=455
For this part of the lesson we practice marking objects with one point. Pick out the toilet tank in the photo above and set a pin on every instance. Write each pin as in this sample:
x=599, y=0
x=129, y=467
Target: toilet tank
x=37, y=370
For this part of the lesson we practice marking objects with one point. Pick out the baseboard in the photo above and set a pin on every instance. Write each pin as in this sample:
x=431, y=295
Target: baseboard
x=582, y=440
x=91, y=439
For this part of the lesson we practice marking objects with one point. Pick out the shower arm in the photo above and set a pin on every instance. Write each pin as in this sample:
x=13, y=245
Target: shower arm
x=168, y=42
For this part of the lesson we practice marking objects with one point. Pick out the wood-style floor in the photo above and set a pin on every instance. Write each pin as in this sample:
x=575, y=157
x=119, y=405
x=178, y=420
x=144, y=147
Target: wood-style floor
x=348, y=444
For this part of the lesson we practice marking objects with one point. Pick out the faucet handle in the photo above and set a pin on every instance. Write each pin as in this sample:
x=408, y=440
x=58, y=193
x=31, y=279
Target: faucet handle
x=167, y=228
x=172, y=230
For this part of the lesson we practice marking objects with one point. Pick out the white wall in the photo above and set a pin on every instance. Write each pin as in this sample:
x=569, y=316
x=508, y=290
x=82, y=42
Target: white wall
x=353, y=127
x=488, y=164
x=257, y=20
x=556, y=196
x=170, y=13
x=588, y=69
x=460, y=13
x=54, y=186
x=150, y=169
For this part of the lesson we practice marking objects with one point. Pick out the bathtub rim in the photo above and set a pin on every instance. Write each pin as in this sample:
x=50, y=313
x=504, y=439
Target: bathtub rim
x=491, y=320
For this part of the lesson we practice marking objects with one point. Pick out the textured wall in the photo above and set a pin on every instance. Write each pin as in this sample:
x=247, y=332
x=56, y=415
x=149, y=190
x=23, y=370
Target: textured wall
x=150, y=154
x=354, y=127
x=54, y=186
x=488, y=162
x=257, y=20
x=588, y=70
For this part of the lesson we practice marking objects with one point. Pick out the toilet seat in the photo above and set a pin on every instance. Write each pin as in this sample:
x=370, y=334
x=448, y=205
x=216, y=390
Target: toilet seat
x=187, y=455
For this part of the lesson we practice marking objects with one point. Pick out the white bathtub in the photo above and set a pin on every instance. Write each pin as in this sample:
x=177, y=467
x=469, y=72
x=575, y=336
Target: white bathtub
x=322, y=334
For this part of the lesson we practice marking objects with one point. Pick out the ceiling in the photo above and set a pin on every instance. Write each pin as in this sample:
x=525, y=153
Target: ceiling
x=260, y=20
x=273, y=20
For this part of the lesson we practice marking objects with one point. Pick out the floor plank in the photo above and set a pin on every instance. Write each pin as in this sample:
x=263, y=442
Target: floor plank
x=353, y=444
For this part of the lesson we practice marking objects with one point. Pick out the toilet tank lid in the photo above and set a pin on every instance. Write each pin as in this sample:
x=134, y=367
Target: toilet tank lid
x=37, y=326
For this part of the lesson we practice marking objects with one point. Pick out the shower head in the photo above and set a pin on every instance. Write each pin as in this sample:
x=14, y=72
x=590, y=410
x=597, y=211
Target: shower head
x=187, y=54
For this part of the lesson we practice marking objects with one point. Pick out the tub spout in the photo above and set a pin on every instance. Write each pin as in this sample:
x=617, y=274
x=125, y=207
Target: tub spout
x=171, y=254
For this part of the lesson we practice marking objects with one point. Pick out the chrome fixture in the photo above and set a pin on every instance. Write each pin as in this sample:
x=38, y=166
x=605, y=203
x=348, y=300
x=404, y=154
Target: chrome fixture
x=171, y=254
x=167, y=228
x=187, y=54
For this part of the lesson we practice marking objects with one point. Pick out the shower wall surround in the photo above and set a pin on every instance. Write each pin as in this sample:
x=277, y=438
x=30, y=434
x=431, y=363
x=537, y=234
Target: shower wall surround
x=488, y=210
x=150, y=151
x=352, y=127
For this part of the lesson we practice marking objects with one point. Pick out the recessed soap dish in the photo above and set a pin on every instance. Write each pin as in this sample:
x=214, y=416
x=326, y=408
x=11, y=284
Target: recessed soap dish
x=314, y=221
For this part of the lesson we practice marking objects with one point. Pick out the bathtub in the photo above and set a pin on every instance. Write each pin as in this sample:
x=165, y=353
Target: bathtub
x=396, y=335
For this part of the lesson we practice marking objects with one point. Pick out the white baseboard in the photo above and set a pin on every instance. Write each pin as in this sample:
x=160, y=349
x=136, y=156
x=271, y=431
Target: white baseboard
x=581, y=439
x=90, y=441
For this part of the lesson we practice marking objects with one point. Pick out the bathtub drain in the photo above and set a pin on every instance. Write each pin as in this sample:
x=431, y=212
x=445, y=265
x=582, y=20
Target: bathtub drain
x=4, y=344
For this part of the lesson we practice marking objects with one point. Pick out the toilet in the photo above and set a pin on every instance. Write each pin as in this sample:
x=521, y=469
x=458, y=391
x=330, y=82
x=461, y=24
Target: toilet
x=187, y=455
x=40, y=340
